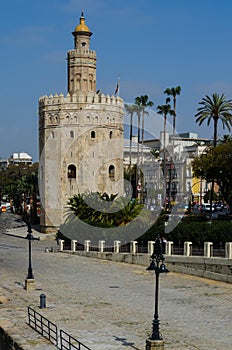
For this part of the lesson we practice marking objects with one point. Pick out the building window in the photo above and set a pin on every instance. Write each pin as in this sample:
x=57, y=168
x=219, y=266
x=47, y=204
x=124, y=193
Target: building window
x=111, y=134
x=72, y=134
x=93, y=134
x=71, y=171
x=111, y=172
x=53, y=134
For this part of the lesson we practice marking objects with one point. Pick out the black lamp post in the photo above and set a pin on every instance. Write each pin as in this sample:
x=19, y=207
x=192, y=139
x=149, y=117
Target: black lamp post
x=30, y=238
x=157, y=265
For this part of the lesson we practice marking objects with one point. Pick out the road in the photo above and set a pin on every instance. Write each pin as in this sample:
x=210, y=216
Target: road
x=109, y=305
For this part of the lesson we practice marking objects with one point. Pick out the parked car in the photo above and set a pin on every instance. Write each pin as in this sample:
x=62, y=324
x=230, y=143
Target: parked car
x=205, y=208
x=5, y=206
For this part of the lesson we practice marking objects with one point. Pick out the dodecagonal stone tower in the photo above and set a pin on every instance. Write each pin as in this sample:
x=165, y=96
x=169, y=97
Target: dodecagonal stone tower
x=80, y=137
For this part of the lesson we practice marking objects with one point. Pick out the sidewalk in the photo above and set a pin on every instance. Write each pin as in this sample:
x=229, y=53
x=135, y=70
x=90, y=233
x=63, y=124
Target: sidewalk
x=107, y=305
x=21, y=232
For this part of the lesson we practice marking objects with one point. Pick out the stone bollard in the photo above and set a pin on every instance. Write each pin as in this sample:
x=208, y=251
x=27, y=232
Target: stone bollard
x=101, y=246
x=187, y=248
x=86, y=245
x=208, y=247
x=117, y=245
x=150, y=247
x=73, y=245
x=61, y=244
x=169, y=246
x=133, y=247
x=228, y=250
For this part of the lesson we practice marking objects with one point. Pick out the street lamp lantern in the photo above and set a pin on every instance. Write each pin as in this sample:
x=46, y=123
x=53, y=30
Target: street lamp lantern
x=157, y=265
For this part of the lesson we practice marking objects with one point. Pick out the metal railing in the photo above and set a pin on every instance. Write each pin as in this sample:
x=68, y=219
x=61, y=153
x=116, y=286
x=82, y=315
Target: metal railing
x=49, y=330
x=42, y=325
x=67, y=342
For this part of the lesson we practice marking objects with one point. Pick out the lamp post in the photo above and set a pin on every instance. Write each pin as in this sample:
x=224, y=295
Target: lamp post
x=30, y=281
x=157, y=265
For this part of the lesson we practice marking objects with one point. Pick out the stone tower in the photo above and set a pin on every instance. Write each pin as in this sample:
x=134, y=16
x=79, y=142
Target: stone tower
x=80, y=137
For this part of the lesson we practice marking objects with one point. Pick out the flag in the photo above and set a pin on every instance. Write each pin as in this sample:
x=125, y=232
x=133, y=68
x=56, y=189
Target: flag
x=117, y=88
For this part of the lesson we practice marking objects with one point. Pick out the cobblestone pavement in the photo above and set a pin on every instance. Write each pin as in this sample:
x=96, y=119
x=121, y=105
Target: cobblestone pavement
x=109, y=305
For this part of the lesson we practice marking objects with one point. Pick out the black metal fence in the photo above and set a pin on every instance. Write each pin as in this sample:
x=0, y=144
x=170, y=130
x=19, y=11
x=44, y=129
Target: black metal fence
x=43, y=326
x=49, y=330
x=67, y=342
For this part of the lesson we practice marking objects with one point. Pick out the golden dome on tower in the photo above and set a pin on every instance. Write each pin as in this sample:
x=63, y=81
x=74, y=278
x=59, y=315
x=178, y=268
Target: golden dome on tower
x=82, y=27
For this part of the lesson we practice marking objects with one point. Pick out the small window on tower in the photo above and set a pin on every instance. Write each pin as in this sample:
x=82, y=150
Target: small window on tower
x=72, y=134
x=83, y=44
x=93, y=134
x=111, y=172
x=111, y=134
x=71, y=171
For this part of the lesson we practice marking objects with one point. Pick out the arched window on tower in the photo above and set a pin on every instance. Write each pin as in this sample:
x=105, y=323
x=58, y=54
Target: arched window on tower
x=93, y=134
x=111, y=134
x=72, y=134
x=72, y=173
x=111, y=172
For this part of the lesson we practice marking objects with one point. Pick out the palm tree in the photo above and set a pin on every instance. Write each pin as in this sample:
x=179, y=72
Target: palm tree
x=130, y=109
x=143, y=102
x=215, y=108
x=165, y=110
x=174, y=91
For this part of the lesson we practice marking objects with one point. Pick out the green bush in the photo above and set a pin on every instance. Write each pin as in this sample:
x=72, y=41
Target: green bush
x=188, y=230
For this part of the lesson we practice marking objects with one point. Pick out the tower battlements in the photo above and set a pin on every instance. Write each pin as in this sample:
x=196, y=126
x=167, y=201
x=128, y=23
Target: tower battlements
x=80, y=99
x=91, y=53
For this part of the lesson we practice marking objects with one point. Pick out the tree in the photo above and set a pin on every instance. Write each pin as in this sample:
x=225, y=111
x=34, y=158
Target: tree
x=165, y=110
x=143, y=102
x=103, y=210
x=216, y=162
x=19, y=182
x=215, y=108
x=174, y=91
x=130, y=109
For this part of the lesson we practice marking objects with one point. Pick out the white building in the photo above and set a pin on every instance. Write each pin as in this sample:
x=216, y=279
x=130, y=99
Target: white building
x=20, y=158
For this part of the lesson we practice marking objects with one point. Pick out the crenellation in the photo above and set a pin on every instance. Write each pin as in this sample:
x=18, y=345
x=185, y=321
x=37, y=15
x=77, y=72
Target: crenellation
x=93, y=99
x=75, y=52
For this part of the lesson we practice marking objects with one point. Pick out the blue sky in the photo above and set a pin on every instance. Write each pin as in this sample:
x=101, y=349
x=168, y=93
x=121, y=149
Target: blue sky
x=149, y=44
